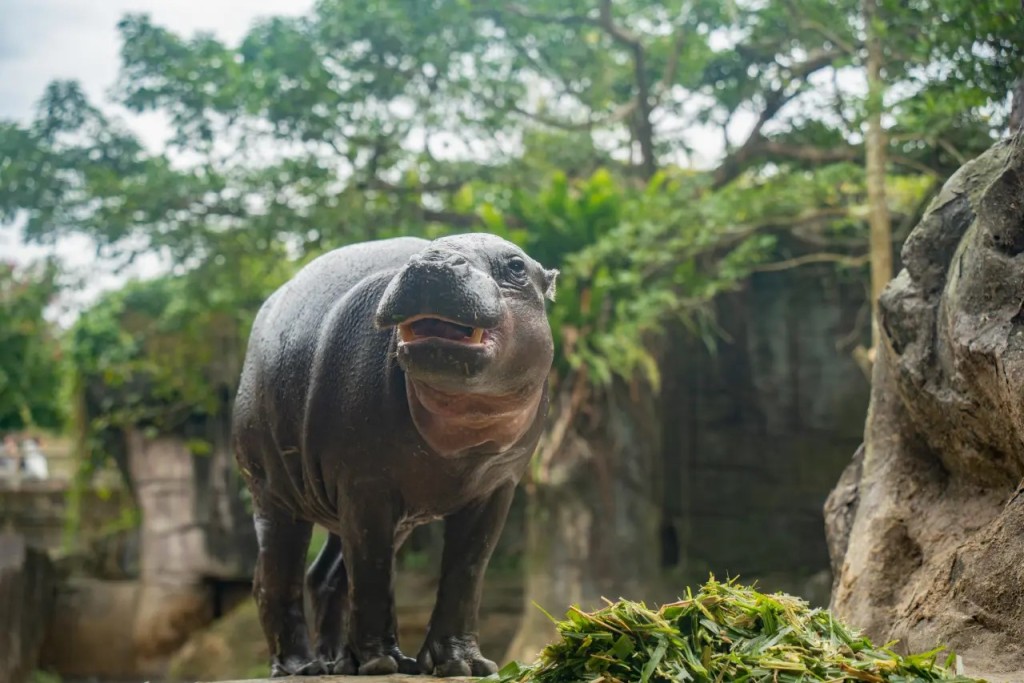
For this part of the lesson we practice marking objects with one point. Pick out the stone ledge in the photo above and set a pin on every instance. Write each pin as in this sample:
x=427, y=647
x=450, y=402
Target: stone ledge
x=1017, y=677
x=1012, y=677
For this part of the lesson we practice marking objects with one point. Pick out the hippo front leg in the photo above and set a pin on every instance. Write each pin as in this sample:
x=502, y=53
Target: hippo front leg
x=368, y=532
x=470, y=535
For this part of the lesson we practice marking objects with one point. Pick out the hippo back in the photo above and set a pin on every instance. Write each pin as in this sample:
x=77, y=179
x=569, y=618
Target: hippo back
x=280, y=358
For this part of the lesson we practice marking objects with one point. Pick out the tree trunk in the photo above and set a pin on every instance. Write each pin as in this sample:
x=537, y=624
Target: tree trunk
x=875, y=146
x=1017, y=107
x=592, y=512
x=644, y=128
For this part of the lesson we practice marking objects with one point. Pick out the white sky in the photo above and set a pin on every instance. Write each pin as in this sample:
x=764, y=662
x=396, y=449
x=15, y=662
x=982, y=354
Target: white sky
x=43, y=40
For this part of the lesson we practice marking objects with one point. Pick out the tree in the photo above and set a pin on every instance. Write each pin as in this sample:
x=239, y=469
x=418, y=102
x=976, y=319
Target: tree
x=30, y=358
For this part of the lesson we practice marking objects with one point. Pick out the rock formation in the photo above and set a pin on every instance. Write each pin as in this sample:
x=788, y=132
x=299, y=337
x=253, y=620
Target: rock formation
x=926, y=527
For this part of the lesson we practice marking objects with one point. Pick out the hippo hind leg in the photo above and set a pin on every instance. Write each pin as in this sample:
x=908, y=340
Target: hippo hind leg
x=327, y=583
x=277, y=588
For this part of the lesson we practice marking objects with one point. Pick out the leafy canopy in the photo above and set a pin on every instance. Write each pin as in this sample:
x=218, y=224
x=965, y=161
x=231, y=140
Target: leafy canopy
x=580, y=129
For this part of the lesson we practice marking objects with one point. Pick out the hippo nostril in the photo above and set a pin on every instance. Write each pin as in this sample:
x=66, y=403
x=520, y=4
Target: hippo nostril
x=432, y=257
x=446, y=258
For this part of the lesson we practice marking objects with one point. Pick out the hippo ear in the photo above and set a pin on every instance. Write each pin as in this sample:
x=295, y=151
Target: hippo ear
x=549, y=283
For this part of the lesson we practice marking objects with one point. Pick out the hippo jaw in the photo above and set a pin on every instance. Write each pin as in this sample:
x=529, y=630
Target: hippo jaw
x=422, y=328
x=446, y=353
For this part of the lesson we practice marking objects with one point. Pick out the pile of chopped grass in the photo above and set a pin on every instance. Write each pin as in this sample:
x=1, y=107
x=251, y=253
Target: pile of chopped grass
x=726, y=633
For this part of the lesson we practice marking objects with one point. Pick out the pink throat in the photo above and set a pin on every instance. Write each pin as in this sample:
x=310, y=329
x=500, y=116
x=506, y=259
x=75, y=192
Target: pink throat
x=455, y=423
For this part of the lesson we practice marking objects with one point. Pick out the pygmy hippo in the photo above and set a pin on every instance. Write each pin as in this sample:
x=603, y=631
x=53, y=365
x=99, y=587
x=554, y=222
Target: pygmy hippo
x=389, y=384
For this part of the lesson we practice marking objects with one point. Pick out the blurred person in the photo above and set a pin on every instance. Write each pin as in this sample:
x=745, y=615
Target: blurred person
x=10, y=458
x=34, y=464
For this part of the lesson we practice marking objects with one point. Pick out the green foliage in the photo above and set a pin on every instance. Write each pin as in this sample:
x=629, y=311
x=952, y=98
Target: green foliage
x=40, y=676
x=160, y=353
x=30, y=362
x=632, y=261
x=724, y=632
x=567, y=127
x=316, y=544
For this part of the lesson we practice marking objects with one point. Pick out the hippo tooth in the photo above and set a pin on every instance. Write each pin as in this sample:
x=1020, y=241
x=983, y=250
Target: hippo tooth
x=405, y=333
x=477, y=336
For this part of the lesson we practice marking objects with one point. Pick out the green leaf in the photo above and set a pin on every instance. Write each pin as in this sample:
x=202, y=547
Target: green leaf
x=623, y=647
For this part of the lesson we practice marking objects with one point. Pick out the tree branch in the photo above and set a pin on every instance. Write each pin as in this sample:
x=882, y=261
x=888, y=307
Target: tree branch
x=384, y=186
x=617, y=32
x=734, y=162
x=619, y=114
x=453, y=218
x=816, y=155
x=564, y=19
x=850, y=153
x=829, y=35
x=807, y=259
x=644, y=128
x=764, y=147
x=775, y=99
x=672, y=66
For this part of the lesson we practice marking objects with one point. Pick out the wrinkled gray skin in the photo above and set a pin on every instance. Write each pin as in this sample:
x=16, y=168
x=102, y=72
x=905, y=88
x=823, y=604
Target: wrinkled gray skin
x=341, y=423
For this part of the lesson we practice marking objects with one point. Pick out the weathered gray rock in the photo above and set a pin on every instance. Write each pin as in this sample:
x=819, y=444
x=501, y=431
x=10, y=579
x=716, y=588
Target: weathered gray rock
x=928, y=536
x=26, y=600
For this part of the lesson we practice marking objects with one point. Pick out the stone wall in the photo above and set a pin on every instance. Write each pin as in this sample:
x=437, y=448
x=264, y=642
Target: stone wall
x=194, y=530
x=195, y=551
x=26, y=601
x=37, y=511
x=757, y=431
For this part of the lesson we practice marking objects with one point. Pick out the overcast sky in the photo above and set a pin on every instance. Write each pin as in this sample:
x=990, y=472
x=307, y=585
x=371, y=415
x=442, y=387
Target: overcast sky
x=43, y=40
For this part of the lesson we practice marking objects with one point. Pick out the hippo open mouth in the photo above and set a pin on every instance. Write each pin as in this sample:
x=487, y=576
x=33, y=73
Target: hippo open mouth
x=423, y=327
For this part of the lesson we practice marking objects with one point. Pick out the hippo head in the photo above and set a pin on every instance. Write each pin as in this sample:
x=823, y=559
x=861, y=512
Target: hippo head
x=471, y=330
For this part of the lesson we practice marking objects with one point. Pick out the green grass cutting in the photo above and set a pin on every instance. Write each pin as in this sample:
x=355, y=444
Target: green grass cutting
x=725, y=633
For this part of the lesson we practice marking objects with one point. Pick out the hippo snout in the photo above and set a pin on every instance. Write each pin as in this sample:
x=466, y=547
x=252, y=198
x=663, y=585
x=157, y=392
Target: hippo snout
x=442, y=285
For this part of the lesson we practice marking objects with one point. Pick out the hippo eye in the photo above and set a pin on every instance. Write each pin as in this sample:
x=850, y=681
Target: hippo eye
x=517, y=265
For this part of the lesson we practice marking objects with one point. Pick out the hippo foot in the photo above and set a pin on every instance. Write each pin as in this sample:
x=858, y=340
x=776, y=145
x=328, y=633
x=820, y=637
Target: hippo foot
x=336, y=661
x=454, y=656
x=375, y=662
x=296, y=666
x=379, y=666
x=406, y=665
x=344, y=665
x=396, y=662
